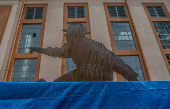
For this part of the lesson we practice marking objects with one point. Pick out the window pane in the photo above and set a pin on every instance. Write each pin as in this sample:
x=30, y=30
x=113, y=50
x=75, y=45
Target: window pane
x=121, y=11
x=30, y=36
x=112, y=11
x=117, y=11
x=163, y=32
x=80, y=12
x=39, y=13
x=71, y=12
x=30, y=13
x=70, y=65
x=23, y=70
x=34, y=13
x=156, y=11
x=76, y=12
x=134, y=63
x=123, y=36
x=168, y=58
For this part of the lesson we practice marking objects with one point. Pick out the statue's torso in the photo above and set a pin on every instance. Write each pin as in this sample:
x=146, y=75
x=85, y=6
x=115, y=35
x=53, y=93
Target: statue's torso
x=89, y=56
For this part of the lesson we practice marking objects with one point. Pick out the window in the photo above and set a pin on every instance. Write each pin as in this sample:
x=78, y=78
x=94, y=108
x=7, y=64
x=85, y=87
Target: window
x=23, y=66
x=159, y=19
x=30, y=36
x=74, y=13
x=163, y=32
x=168, y=58
x=117, y=11
x=34, y=13
x=4, y=15
x=70, y=65
x=134, y=63
x=24, y=70
x=124, y=42
x=123, y=36
x=156, y=11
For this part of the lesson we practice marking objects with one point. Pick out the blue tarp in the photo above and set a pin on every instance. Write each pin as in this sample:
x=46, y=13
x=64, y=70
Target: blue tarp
x=85, y=95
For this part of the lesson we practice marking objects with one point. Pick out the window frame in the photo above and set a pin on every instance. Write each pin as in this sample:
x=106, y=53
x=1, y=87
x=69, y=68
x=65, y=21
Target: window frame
x=138, y=51
x=74, y=20
x=14, y=55
x=165, y=19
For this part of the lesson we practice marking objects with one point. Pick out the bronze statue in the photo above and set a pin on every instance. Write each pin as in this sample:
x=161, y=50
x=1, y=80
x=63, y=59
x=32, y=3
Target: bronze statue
x=93, y=60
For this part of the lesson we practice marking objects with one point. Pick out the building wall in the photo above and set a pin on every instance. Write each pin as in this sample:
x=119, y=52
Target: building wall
x=155, y=62
x=54, y=24
x=50, y=68
x=8, y=36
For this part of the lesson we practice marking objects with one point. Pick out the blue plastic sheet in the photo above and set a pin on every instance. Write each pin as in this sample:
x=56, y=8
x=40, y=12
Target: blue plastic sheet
x=85, y=95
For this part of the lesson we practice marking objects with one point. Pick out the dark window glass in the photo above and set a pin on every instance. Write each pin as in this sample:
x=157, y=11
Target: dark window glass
x=70, y=65
x=76, y=12
x=134, y=63
x=163, y=32
x=123, y=36
x=168, y=58
x=30, y=36
x=117, y=11
x=156, y=11
x=34, y=13
x=23, y=70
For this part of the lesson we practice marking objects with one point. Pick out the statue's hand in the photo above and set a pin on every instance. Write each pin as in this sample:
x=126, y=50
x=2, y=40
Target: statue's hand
x=32, y=49
x=36, y=49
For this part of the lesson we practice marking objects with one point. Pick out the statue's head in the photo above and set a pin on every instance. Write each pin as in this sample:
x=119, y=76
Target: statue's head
x=75, y=31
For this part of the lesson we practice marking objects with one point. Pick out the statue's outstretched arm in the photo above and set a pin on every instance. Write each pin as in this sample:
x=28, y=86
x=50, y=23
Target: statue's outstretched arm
x=54, y=52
